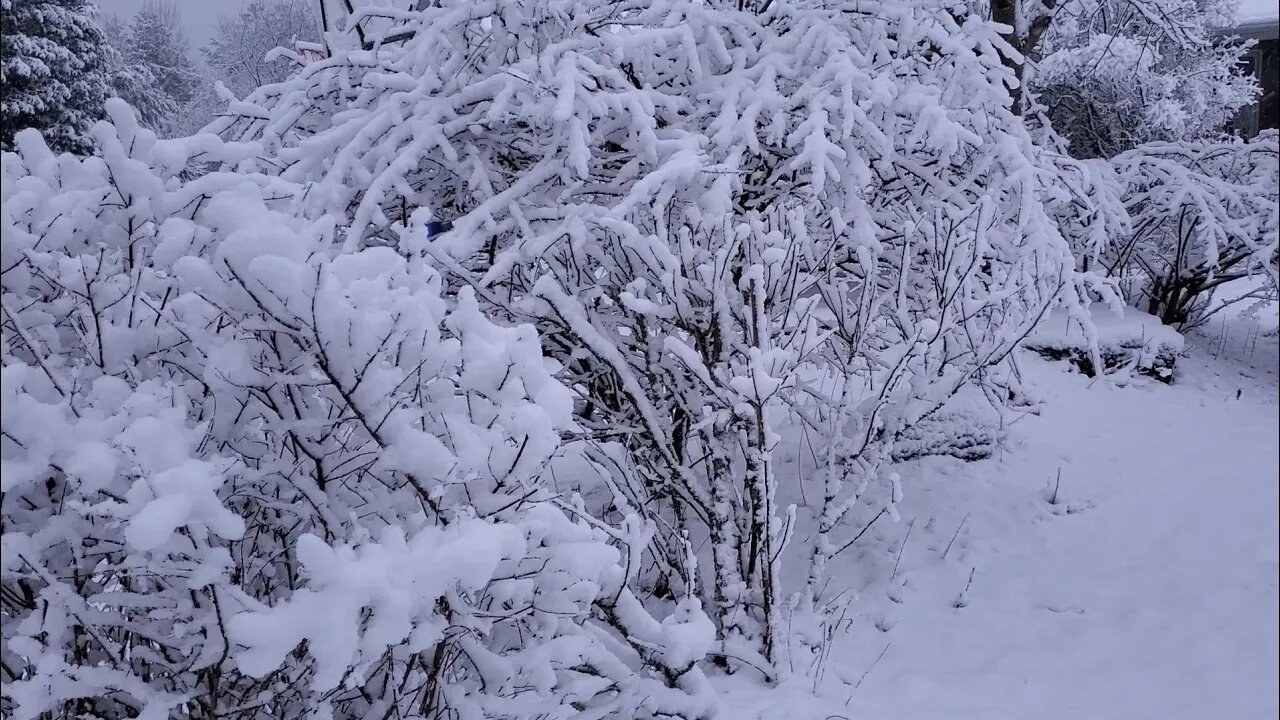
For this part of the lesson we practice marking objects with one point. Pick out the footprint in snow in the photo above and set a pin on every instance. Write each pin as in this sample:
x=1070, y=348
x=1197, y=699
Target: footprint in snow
x=1064, y=609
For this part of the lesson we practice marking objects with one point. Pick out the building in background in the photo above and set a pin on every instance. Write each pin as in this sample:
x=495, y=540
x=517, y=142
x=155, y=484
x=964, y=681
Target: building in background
x=1260, y=21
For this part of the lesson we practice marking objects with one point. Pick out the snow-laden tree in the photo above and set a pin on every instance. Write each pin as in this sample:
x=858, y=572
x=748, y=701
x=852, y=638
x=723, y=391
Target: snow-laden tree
x=722, y=216
x=241, y=56
x=133, y=81
x=135, y=84
x=156, y=40
x=53, y=70
x=1142, y=91
x=238, y=52
x=1112, y=74
x=248, y=475
x=1201, y=214
x=150, y=69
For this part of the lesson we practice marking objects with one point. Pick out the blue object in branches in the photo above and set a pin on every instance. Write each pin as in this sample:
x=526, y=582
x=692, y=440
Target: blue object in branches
x=436, y=227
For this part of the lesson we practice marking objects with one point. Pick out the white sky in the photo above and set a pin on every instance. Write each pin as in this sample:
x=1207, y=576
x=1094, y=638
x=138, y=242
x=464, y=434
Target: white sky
x=1249, y=9
x=199, y=17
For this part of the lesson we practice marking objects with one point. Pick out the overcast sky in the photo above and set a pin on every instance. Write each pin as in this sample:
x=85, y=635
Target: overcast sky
x=199, y=17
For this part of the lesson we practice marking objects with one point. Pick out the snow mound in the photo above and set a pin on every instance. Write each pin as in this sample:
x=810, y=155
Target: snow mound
x=1129, y=339
x=968, y=428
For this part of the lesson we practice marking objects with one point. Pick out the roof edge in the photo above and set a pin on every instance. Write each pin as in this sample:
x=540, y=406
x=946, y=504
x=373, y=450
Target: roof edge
x=1254, y=29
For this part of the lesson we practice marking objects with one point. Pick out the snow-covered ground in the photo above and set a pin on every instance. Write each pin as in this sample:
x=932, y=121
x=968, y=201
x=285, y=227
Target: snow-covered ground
x=1148, y=591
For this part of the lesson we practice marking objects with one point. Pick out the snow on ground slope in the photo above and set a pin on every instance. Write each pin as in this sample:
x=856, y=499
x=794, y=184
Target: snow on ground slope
x=1148, y=591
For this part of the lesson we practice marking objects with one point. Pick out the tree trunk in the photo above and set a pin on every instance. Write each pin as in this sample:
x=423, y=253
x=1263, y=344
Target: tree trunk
x=1005, y=12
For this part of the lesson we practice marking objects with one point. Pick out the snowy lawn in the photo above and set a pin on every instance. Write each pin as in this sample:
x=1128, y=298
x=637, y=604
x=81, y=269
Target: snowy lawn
x=1149, y=590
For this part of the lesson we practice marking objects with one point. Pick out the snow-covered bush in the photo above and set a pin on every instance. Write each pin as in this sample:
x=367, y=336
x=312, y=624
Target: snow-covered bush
x=967, y=428
x=722, y=217
x=248, y=475
x=1134, y=95
x=1201, y=214
x=1113, y=74
x=1117, y=339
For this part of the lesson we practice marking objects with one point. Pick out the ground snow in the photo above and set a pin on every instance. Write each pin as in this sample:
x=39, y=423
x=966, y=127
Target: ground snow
x=1149, y=591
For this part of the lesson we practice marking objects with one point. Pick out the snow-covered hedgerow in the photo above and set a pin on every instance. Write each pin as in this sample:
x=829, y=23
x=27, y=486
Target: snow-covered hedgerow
x=703, y=206
x=246, y=475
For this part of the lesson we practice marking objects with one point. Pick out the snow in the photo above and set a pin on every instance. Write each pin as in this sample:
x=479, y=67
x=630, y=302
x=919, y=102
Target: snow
x=1149, y=590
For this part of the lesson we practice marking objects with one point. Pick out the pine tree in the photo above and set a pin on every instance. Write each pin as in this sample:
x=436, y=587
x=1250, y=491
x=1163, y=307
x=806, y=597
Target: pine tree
x=134, y=82
x=156, y=42
x=53, y=71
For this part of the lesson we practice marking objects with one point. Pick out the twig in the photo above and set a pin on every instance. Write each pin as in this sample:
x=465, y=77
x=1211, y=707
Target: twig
x=1056, y=484
x=953, y=537
x=962, y=600
x=39, y=353
x=901, y=547
x=872, y=667
x=757, y=664
x=860, y=534
x=804, y=436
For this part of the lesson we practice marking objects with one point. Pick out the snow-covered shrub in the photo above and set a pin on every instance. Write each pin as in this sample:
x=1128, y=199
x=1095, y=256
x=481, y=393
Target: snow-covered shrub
x=248, y=475
x=1114, y=74
x=1201, y=214
x=721, y=216
x=1129, y=339
x=1134, y=95
x=967, y=428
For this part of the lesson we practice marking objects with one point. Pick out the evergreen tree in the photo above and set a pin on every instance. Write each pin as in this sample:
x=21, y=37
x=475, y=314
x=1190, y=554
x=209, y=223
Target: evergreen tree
x=156, y=41
x=53, y=71
x=133, y=81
